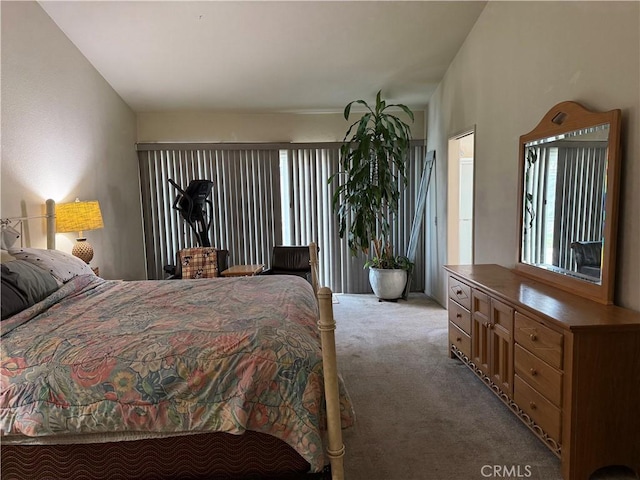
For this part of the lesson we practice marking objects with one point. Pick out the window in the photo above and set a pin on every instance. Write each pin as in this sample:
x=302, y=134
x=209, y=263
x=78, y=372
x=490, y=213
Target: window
x=263, y=195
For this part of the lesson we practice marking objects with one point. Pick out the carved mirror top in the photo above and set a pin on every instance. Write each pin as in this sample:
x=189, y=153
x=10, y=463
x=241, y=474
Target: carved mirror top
x=568, y=201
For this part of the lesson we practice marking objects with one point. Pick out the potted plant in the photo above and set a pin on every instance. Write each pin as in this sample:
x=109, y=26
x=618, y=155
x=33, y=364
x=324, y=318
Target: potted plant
x=372, y=162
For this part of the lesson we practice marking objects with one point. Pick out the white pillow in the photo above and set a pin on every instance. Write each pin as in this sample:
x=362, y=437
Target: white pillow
x=63, y=266
x=5, y=256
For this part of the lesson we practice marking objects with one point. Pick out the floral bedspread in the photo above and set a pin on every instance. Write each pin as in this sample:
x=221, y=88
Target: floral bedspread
x=230, y=355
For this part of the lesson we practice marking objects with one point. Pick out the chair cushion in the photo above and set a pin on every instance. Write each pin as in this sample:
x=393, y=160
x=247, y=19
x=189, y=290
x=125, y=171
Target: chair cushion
x=222, y=257
x=200, y=262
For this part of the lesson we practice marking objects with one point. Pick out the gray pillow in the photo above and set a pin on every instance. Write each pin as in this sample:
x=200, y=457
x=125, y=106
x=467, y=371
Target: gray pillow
x=13, y=300
x=34, y=282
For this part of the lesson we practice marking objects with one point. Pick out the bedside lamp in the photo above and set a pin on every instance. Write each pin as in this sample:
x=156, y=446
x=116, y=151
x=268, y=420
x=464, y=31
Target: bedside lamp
x=79, y=217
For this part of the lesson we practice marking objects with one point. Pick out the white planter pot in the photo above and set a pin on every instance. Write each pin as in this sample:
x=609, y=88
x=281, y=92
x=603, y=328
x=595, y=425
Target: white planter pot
x=387, y=284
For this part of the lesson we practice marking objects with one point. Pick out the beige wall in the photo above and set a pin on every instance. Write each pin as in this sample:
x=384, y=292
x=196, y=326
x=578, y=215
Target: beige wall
x=520, y=59
x=66, y=134
x=251, y=127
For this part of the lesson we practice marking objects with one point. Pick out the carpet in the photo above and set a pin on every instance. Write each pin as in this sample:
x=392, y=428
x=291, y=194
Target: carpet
x=421, y=415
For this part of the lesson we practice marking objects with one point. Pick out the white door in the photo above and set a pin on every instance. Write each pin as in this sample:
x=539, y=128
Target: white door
x=460, y=199
x=465, y=212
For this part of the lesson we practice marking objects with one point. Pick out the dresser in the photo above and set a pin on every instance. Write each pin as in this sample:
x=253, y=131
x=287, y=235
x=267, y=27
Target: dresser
x=568, y=367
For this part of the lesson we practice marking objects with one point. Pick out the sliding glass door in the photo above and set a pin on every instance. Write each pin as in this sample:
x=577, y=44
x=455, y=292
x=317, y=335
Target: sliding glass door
x=263, y=195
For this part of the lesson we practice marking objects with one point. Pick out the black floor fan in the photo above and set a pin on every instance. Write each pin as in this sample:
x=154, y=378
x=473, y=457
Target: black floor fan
x=192, y=205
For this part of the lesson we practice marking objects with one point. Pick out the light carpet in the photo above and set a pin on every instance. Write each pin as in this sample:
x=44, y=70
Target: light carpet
x=420, y=414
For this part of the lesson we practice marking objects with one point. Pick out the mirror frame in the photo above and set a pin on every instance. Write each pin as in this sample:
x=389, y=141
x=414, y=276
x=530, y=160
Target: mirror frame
x=563, y=118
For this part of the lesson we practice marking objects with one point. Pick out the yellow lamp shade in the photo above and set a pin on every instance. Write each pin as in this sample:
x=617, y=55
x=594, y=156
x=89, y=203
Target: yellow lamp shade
x=78, y=216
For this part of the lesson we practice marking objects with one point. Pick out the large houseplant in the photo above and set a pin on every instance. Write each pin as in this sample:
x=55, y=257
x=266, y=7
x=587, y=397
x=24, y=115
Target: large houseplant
x=372, y=162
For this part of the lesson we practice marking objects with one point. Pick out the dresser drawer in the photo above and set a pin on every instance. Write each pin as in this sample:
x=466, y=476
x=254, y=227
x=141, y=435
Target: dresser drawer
x=540, y=340
x=460, y=339
x=460, y=316
x=460, y=292
x=542, y=411
x=544, y=378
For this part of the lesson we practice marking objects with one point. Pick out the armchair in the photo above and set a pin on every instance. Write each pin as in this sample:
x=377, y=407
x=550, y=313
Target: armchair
x=588, y=256
x=290, y=260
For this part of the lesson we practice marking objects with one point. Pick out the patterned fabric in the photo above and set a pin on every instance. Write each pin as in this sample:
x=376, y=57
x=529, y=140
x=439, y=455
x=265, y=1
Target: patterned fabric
x=201, y=262
x=63, y=266
x=227, y=355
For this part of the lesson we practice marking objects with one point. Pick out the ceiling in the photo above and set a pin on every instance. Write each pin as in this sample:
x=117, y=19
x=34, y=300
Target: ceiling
x=267, y=56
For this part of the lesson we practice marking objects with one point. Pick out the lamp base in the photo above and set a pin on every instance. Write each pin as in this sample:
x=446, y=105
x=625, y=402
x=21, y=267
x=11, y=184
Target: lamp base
x=83, y=250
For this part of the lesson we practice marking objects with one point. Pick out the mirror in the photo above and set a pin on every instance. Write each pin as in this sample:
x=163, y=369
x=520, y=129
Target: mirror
x=569, y=175
x=563, y=207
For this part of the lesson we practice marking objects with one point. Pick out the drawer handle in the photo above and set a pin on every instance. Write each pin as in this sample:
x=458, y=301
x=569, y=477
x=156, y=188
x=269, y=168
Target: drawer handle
x=458, y=292
x=458, y=315
x=459, y=339
x=533, y=405
x=533, y=337
x=534, y=372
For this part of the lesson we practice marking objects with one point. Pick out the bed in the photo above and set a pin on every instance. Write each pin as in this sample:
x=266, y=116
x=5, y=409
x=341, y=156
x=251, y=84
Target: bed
x=209, y=378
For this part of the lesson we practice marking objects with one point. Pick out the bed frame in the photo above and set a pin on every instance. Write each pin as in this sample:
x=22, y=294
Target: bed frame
x=50, y=216
x=194, y=456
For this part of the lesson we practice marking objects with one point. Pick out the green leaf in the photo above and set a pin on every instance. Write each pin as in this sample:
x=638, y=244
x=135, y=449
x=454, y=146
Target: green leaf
x=407, y=111
x=347, y=110
x=367, y=191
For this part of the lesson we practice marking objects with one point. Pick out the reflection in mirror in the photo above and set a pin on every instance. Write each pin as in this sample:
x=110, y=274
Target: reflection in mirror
x=569, y=174
x=563, y=202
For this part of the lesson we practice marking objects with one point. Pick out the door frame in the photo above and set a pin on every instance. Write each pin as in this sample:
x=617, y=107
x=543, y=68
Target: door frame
x=453, y=195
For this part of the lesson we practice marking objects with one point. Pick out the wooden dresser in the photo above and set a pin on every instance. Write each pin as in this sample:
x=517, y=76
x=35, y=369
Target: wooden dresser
x=567, y=366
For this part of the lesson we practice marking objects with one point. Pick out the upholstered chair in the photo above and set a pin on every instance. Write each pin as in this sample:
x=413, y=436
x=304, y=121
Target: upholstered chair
x=290, y=260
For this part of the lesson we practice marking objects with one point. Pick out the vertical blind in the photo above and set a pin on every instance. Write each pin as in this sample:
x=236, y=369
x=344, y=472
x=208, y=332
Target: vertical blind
x=567, y=188
x=264, y=195
x=245, y=198
x=580, y=198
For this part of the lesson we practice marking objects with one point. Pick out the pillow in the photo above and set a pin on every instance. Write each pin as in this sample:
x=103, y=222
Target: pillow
x=63, y=266
x=201, y=262
x=5, y=256
x=33, y=282
x=13, y=300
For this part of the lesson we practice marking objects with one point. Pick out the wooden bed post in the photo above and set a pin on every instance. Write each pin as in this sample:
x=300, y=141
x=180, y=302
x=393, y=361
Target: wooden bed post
x=327, y=326
x=51, y=224
x=313, y=262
